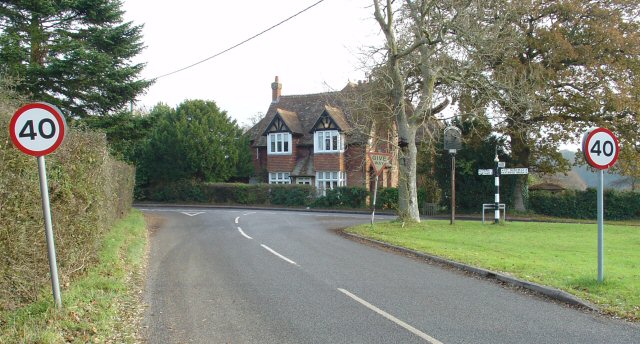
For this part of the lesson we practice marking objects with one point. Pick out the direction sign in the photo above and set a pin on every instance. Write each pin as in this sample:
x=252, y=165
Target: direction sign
x=37, y=129
x=601, y=148
x=514, y=171
x=485, y=172
x=379, y=160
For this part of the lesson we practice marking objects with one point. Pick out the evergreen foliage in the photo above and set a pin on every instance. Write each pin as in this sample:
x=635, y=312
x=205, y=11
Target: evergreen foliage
x=618, y=205
x=88, y=190
x=196, y=141
x=76, y=54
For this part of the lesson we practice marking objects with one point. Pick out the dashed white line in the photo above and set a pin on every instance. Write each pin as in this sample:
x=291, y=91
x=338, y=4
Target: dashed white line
x=243, y=233
x=392, y=318
x=279, y=255
x=237, y=218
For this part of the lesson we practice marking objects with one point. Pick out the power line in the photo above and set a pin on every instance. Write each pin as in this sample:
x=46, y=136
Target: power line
x=239, y=44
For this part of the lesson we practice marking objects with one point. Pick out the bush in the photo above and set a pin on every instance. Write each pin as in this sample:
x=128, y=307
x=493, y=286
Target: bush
x=618, y=205
x=387, y=198
x=231, y=193
x=88, y=191
x=342, y=197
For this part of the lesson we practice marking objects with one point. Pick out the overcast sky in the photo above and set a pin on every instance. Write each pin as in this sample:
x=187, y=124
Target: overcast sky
x=317, y=50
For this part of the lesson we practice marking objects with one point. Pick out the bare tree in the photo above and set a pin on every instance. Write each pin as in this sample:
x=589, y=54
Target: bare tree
x=428, y=61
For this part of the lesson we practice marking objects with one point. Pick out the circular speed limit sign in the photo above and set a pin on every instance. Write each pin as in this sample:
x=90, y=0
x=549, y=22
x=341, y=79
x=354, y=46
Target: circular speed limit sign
x=601, y=148
x=37, y=129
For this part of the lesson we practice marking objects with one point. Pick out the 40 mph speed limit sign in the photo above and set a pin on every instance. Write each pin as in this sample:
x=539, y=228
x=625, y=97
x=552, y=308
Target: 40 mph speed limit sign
x=601, y=148
x=37, y=129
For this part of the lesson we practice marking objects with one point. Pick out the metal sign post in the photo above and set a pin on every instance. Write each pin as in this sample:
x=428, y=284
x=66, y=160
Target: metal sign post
x=452, y=143
x=375, y=194
x=601, y=148
x=378, y=161
x=38, y=129
x=48, y=227
x=453, y=186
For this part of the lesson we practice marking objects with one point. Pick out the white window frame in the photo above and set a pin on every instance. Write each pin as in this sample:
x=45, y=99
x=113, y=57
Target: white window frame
x=330, y=180
x=304, y=181
x=279, y=143
x=279, y=178
x=328, y=141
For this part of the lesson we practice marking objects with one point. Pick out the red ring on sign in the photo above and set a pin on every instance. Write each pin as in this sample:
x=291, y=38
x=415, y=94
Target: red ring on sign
x=587, y=154
x=48, y=108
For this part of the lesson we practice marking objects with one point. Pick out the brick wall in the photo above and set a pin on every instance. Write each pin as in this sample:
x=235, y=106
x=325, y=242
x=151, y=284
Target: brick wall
x=354, y=157
x=328, y=161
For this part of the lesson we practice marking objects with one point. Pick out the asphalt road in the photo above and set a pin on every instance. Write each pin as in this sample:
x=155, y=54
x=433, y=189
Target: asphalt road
x=253, y=276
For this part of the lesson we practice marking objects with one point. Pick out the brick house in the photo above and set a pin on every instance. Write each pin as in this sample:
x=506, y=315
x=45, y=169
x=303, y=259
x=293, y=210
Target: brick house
x=310, y=139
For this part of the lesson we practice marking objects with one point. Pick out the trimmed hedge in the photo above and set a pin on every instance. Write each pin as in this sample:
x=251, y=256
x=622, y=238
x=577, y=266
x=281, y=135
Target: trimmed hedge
x=232, y=193
x=343, y=197
x=88, y=191
x=618, y=205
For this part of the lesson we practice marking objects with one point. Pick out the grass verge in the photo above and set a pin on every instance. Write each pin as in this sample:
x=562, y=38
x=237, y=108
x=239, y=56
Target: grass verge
x=560, y=255
x=101, y=307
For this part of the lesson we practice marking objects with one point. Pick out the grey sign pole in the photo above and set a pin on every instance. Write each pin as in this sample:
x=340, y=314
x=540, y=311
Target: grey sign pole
x=46, y=209
x=600, y=200
x=375, y=193
x=601, y=148
x=453, y=142
x=453, y=186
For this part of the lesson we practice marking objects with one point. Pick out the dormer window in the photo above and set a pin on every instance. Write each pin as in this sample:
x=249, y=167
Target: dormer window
x=328, y=141
x=279, y=143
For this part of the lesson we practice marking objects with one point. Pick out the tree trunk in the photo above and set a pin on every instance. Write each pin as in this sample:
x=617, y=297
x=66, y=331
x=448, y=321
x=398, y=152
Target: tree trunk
x=408, y=209
x=521, y=153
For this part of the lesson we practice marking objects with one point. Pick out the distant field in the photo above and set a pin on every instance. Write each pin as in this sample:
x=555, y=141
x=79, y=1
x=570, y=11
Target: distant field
x=561, y=255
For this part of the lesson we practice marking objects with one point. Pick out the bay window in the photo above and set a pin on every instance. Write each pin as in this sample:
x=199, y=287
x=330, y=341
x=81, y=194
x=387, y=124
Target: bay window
x=328, y=141
x=279, y=143
x=329, y=180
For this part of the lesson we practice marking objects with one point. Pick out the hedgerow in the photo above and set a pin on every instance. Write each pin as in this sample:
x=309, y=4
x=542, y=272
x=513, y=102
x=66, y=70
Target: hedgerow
x=88, y=191
x=618, y=205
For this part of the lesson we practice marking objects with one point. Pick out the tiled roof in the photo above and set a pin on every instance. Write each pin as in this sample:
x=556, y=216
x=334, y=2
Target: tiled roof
x=338, y=116
x=304, y=168
x=291, y=120
x=307, y=108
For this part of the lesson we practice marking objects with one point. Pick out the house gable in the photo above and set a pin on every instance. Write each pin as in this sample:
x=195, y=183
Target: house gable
x=330, y=119
x=284, y=121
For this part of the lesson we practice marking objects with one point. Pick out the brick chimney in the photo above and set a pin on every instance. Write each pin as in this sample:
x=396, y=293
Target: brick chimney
x=276, y=90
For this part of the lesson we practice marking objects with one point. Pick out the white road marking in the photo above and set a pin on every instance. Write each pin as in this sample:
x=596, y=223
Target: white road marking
x=243, y=233
x=392, y=318
x=249, y=213
x=237, y=218
x=279, y=255
x=192, y=213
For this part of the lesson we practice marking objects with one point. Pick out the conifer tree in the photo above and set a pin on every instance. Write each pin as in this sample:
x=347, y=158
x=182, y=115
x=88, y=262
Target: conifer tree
x=76, y=54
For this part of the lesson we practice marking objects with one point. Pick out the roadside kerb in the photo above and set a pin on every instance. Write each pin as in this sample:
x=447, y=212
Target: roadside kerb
x=552, y=293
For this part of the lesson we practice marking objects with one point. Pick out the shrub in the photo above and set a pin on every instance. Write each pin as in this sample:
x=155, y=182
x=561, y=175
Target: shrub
x=618, y=205
x=342, y=197
x=231, y=193
x=88, y=191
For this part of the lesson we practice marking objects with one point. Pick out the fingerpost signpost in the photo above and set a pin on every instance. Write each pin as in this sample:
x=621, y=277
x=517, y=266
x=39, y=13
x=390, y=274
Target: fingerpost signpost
x=498, y=171
x=38, y=129
x=601, y=148
x=378, y=161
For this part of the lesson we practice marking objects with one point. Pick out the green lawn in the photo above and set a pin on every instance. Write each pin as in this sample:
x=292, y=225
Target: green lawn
x=99, y=307
x=561, y=255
